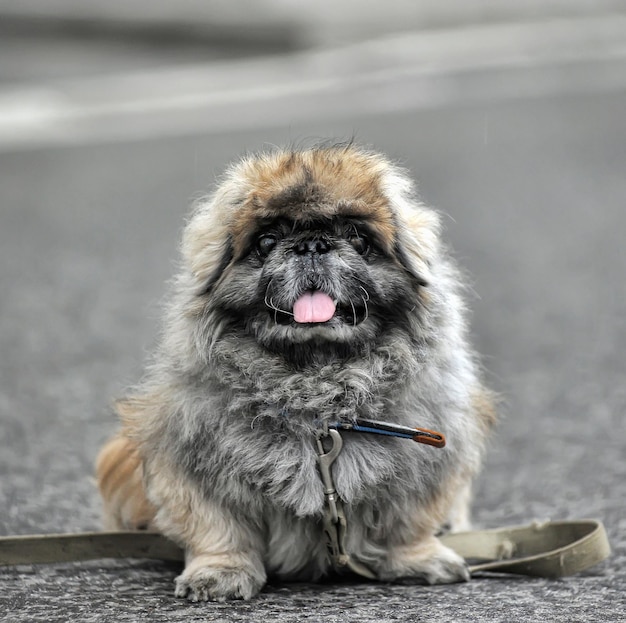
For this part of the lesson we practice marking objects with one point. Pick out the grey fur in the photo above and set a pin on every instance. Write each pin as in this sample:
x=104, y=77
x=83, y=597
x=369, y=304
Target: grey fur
x=245, y=393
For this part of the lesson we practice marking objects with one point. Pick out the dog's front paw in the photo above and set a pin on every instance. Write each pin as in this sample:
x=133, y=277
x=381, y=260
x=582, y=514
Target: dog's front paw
x=427, y=563
x=445, y=568
x=212, y=583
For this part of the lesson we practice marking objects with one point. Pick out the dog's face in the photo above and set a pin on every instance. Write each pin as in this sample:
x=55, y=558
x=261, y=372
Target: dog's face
x=324, y=248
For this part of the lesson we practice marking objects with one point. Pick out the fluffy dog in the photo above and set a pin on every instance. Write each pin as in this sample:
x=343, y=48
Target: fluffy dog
x=313, y=289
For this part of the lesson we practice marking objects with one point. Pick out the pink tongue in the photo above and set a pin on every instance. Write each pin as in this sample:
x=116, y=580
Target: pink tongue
x=313, y=307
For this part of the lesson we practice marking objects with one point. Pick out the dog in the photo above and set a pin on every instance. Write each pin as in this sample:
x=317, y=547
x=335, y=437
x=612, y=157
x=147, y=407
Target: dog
x=313, y=290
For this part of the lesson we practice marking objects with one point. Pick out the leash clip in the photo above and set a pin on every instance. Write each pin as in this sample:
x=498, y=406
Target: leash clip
x=325, y=461
x=335, y=523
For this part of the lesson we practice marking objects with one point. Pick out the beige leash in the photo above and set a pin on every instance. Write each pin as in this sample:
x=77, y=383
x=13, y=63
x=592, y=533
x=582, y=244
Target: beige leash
x=55, y=548
x=551, y=549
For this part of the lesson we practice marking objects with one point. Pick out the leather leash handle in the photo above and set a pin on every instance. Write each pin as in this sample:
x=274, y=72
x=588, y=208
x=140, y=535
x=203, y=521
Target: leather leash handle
x=549, y=550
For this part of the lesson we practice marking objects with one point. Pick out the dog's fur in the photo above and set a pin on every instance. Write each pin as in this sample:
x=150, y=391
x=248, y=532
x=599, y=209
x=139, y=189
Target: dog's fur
x=217, y=448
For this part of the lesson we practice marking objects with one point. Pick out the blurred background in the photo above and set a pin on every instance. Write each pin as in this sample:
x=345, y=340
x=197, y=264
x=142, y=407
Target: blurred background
x=115, y=116
x=76, y=72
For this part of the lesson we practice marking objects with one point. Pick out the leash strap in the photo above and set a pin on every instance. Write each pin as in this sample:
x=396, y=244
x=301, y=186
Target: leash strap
x=419, y=435
x=56, y=548
x=550, y=550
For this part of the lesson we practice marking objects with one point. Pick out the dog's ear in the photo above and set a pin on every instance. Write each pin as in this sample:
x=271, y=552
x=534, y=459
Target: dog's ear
x=417, y=228
x=417, y=244
x=207, y=249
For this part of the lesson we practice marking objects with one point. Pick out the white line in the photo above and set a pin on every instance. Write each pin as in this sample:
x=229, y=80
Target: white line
x=416, y=70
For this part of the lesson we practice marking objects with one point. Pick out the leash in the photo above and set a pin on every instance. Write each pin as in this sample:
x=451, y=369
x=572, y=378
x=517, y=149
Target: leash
x=335, y=523
x=57, y=548
x=419, y=435
x=550, y=549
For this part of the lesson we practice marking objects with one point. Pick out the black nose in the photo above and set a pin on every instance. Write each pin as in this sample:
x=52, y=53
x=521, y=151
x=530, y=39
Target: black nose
x=316, y=245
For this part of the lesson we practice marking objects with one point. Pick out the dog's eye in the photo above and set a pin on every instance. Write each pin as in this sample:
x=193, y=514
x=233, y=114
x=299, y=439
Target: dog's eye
x=359, y=242
x=265, y=244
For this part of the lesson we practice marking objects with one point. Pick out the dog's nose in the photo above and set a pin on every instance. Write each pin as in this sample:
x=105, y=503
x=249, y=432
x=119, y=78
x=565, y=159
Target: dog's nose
x=315, y=245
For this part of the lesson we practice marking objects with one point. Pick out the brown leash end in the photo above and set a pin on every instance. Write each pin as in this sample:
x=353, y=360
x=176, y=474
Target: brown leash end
x=429, y=437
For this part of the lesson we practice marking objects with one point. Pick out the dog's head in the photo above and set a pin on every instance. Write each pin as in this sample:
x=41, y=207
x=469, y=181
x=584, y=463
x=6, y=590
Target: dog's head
x=326, y=246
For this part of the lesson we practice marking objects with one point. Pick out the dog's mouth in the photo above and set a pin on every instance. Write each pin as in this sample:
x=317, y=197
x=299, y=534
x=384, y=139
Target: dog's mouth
x=315, y=308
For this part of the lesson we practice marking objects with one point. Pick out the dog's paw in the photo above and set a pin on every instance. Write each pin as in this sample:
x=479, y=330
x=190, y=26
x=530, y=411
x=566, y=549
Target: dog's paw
x=445, y=568
x=429, y=563
x=206, y=583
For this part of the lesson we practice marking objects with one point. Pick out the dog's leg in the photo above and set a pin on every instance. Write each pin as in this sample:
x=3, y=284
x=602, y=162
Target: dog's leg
x=223, y=553
x=119, y=473
x=426, y=561
x=219, y=576
x=417, y=555
x=223, y=558
x=459, y=516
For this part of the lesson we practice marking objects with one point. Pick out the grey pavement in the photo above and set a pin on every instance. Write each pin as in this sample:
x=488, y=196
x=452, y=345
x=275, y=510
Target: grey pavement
x=533, y=190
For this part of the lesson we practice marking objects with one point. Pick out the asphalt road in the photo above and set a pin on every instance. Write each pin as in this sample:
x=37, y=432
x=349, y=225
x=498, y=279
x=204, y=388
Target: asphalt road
x=534, y=192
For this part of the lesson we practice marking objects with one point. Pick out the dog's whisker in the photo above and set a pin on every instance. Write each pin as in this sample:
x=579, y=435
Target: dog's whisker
x=353, y=312
x=269, y=302
x=367, y=311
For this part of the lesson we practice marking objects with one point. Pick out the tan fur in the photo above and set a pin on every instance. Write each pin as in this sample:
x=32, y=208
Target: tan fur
x=348, y=182
x=119, y=472
x=484, y=402
x=216, y=544
x=344, y=185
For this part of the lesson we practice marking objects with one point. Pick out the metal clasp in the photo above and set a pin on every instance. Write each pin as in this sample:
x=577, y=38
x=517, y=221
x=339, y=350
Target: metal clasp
x=325, y=461
x=335, y=524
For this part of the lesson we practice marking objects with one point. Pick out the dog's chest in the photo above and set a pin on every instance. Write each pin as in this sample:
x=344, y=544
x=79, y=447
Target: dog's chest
x=268, y=465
